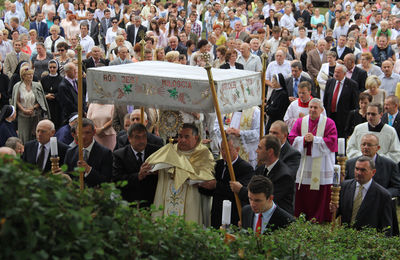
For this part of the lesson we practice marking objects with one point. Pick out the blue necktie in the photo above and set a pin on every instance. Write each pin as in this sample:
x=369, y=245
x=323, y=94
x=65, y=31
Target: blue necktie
x=390, y=120
x=295, y=87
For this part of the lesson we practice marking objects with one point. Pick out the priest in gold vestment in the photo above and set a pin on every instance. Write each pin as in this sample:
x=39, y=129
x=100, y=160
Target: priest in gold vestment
x=180, y=168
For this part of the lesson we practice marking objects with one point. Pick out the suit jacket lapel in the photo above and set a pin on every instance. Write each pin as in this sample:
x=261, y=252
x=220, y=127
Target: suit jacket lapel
x=396, y=121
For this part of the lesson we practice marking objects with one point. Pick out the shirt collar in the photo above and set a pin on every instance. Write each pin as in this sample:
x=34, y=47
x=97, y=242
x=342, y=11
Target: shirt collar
x=365, y=186
x=136, y=152
x=47, y=145
x=89, y=148
x=268, y=213
x=269, y=168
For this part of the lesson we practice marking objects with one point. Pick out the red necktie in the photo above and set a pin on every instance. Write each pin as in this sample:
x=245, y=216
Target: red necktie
x=259, y=223
x=335, y=97
x=237, y=35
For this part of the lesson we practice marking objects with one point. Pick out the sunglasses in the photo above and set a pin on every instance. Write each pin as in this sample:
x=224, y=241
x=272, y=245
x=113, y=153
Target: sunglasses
x=61, y=49
x=114, y=22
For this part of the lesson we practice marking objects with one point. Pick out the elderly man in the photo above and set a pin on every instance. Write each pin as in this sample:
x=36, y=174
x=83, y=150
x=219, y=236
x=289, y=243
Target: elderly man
x=248, y=60
x=123, y=57
x=388, y=140
x=363, y=202
x=389, y=79
x=38, y=151
x=5, y=47
x=279, y=65
x=136, y=31
x=316, y=58
x=255, y=47
x=68, y=91
x=180, y=167
x=97, y=159
x=341, y=95
x=220, y=189
x=174, y=46
x=355, y=73
x=246, y=125
x=315, y=137
x=287, y=21
x=382, y=50
x=95, y=59
x=288, y=155
x=238, y=32
x=13, y=13
x=392, y=116
x=387, y=173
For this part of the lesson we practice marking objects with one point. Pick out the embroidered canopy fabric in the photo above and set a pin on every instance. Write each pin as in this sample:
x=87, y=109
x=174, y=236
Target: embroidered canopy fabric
x=173, y=86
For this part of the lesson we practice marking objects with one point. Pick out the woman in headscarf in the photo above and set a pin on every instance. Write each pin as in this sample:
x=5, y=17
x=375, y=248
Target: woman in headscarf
x=4, y=81
x=7, y=128
x=50, y=87
x=278, y=102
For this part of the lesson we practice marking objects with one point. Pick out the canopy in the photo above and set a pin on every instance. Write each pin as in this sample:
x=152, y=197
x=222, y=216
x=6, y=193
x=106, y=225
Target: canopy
x=173, y=86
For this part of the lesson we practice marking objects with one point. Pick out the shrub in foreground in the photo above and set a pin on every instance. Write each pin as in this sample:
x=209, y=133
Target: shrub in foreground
x=44, y=217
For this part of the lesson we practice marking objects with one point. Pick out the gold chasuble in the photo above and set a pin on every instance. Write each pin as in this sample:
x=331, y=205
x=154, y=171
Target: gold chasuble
x=178, y=172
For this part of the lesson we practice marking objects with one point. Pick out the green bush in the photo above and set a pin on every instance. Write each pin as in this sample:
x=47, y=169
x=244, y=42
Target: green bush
x=44, y=217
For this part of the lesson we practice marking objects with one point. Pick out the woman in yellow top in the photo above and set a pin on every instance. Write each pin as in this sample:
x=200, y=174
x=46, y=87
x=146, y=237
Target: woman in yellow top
x=221, y=39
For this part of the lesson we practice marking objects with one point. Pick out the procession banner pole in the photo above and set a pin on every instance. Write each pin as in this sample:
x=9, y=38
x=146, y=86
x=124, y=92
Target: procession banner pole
x=142, y=43
x=80, y=114
x=264, y=57
x=224, y=140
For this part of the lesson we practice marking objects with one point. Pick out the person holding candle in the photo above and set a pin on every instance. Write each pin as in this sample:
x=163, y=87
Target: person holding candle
x=263, y=214
x=363, y=202
x=219, y=188
x=38, y=151
x=315, y=137
x=388, y=140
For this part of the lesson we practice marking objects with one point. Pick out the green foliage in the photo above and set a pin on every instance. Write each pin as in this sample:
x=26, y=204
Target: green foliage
x=45, y=217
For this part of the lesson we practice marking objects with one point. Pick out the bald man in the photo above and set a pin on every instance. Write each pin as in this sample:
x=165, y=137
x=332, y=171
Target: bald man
x=38, y=151
x=7, y=151
x=250, y=61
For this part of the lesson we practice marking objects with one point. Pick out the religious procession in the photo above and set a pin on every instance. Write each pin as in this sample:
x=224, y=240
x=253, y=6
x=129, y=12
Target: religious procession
x=226, y=113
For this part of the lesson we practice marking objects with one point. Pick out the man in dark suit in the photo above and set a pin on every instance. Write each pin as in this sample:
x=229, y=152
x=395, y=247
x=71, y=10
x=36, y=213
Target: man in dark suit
x=38, y=151
x=174, y=46
x=136, y=31
x=303, y=13
x=363, y=202
x=135, y=118
x=341, y=49
x=355, y=73
x=219, y=188
x=97, y=159
x=68, y=91
x=387, y=173
x=128, y=166
x=93, y=28
x=288, y=155
x=391, y=115
x=95, y=59
x=341, y=95
x=105, y=23
x=293, y=82
x=40, y=26
x=263, y=214
x=268, y=154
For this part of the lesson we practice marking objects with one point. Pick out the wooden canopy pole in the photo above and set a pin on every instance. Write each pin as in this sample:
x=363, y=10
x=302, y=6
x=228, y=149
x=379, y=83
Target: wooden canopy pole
x=142, y=43
x=224, y=140
x=264, y=58
x=80, y=113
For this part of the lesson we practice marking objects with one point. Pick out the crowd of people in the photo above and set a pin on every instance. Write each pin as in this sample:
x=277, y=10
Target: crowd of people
x=328, y=76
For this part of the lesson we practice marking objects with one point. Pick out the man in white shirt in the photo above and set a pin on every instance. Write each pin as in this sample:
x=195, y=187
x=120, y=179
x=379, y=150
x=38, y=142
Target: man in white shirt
x=87, y=42
x=287, y=19
x=389, y=78
x=10, y=14
x=279, y=65
x=5, y=48
x=248, y=60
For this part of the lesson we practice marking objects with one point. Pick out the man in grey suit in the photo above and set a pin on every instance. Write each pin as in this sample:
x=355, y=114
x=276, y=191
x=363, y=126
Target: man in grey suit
x=123, y=57
x=363, y=202
x=104, y=25
x=13, y=58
